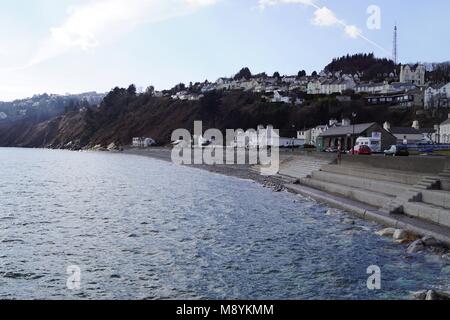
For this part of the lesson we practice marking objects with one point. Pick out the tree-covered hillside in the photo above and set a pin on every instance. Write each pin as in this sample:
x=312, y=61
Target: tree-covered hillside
x=367, y=65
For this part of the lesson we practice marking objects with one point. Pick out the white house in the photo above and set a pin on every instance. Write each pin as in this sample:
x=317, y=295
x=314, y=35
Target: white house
x=184, y=95
x=437, y=96
x=444, y=131
x=143, y=142
x=250, y=85
x=290, y=79
x=330, y=86
x=413, y=74
x=372, y=88
x=314, y=87
x=277, y=97
x=305, y=135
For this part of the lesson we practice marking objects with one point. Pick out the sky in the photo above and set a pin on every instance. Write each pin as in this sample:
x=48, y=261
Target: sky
x=74, y=46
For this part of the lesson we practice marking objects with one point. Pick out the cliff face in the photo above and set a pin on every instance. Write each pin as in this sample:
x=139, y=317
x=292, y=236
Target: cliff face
x=122, y=116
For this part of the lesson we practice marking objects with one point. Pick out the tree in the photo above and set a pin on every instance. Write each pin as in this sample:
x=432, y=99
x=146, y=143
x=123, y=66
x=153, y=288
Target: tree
x=314, y=74
x=301, y=74
x=179, y=87
x=150, y=90
x=277, y=75
x=245, y=73
x=132, y=90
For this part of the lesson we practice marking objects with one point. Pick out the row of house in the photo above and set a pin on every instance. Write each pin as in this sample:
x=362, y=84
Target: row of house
x=410, y=91
x=345, y=134
x=185, y=95
x=437, y=96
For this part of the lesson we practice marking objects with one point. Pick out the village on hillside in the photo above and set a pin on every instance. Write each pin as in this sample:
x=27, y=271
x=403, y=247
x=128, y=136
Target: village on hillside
x=407, y=90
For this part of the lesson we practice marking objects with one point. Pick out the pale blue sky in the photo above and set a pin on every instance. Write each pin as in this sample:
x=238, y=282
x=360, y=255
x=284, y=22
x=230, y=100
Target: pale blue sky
x=60, y=46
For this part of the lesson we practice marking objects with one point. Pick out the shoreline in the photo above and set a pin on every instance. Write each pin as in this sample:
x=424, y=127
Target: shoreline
x=238, y=171
x=277, y=184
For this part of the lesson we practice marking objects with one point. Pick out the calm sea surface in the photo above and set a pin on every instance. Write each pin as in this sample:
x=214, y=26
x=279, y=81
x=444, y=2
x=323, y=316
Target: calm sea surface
x=139, y=228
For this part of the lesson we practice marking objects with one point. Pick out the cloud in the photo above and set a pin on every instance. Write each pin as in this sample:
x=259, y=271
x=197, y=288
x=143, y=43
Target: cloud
x=267, y=3
x=353, y=31
x=324, y=17
x=88, y=26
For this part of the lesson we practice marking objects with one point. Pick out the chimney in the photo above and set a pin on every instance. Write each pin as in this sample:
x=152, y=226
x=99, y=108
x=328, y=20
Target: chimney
x=416, y=125
x=346, y=122
x=387, y=126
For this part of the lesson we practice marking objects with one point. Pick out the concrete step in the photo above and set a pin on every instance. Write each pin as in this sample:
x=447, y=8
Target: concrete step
x=428, y=212
x=437, y=198
x=356, y=194
x=375, y=174
x=383, y=187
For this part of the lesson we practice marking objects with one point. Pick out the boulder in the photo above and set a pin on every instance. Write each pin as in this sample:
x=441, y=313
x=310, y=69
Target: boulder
x=420, y=295
x=388, y=232
x=446, y=258
x=430, y=241
x=348, y=221
x=437, y=295
x=112, y=147
x=400, y=234
x=98, y=147
x=415, y=247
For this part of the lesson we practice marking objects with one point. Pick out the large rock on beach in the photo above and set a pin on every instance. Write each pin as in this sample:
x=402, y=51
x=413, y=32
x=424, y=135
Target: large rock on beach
x=388, y=232
x=112, y=147
x=416, y=247
x=430, y=241
x=400, y=234
x=420, y=295
x=437, y=295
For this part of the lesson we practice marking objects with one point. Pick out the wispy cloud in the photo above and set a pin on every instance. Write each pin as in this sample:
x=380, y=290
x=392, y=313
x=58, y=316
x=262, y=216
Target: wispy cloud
x=324, y=17
x=88, y=26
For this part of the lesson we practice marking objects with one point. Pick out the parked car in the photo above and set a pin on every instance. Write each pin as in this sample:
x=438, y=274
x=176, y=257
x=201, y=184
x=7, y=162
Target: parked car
x=361, y=150
x=373, y=144
x=397, y=151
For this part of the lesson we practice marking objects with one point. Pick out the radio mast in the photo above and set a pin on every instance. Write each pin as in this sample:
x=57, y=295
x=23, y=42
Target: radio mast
x=394, y=50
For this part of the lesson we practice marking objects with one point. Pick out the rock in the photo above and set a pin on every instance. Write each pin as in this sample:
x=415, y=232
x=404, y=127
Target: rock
x=348, y=221
x=420, y=295
x=400, y=234
x=112, y=147
x=431, y=295
x=415, y=247
x=430, y=241
x=446, y=258
x=388, y=232
x=403, y=241
x=99, y=147
x=437, y=295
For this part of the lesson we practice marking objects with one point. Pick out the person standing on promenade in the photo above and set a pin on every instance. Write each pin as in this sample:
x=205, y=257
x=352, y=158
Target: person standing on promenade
x=339, y=152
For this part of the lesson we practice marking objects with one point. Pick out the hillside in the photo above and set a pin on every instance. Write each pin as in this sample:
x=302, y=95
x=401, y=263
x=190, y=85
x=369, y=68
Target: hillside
x=43, y=107
x=123, y=115
x=367, y=66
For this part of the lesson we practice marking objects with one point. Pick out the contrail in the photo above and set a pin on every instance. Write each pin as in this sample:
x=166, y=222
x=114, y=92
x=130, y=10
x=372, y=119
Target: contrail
x=312, y=3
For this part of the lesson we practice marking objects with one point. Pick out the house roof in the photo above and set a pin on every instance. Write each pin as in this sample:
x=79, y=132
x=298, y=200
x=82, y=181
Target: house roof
x=345, y=130
x=427, y=130
x=445, y=122
x=404, y=130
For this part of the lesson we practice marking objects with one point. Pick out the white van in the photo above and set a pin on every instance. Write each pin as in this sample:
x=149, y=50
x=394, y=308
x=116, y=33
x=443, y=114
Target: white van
x=373, y=144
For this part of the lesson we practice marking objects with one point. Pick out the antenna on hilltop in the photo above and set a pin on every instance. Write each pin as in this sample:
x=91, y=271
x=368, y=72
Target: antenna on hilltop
x=394, y=50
